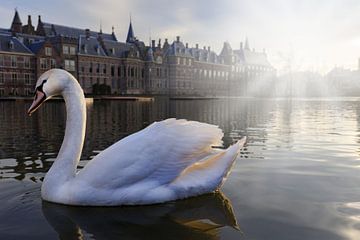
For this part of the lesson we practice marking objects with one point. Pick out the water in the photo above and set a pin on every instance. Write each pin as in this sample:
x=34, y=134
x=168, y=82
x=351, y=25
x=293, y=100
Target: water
x=297, y=178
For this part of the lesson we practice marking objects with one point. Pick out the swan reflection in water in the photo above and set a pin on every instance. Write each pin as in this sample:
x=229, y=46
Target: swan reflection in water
x=194, y=218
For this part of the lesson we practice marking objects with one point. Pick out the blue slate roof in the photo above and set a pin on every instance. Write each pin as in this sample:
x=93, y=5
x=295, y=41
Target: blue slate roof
x=90, y=46
x=8, y=43
x=35, y=47
x=54, y=29
x=116, y=49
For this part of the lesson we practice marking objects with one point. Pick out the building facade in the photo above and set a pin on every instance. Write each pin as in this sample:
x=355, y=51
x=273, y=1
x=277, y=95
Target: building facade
x=103, y=65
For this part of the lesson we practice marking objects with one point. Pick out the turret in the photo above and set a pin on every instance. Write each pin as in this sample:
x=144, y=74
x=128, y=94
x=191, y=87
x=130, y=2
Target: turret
x=16, y=25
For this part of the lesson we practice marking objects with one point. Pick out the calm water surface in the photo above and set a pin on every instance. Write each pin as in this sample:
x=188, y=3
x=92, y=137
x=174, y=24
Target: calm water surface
x=297, y=178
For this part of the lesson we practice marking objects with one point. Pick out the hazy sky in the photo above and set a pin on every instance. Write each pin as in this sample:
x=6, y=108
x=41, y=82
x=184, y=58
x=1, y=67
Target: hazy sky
x=304, y=34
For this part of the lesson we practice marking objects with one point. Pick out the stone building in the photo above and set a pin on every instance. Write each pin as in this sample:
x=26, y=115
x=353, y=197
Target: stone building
x=17, y=67
x=104, y=65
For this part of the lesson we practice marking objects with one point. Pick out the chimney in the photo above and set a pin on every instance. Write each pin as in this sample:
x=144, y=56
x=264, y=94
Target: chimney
x=159, y=44
x=204, y=47
x=241, y=46
x=209, y=48
x=29, y=20
x=153, y=43
x=39, y=18
x=197, y=46
x=177, y=38
x=87, y=33
x=187, y=45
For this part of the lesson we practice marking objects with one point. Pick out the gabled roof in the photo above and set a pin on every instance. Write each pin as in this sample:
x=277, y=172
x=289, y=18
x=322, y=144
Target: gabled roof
x=6, y=41
x=55, y=29
x=177, y=48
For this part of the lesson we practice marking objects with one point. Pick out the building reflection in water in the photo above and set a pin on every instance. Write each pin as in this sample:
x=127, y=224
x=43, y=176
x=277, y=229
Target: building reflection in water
x=195, y=218
x=29, y=145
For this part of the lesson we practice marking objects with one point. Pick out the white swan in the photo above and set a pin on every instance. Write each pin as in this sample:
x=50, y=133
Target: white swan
x=168, y=160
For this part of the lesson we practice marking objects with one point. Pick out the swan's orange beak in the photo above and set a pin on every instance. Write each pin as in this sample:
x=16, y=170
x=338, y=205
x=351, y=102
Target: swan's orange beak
x=39, y=98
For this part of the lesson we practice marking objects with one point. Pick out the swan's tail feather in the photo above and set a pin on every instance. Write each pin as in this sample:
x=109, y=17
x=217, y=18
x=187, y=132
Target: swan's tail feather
x=208, y=174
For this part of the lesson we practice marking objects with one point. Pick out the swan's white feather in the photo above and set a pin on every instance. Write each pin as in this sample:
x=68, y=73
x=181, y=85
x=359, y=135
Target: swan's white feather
x=168, y=160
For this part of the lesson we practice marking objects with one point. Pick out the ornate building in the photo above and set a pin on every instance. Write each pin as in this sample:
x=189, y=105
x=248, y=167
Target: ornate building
x=103, y=65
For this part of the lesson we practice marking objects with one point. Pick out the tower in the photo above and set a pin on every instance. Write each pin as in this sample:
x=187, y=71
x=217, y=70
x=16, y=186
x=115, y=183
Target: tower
x=130, y=36
x=16, y=25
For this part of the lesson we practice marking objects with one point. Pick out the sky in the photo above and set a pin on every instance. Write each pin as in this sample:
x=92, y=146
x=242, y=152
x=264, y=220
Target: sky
x=296, y=35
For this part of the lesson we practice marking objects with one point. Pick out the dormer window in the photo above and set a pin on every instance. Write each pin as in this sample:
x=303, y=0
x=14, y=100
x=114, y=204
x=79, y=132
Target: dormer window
x=84, y=48
x=97, y=48
x=11, y=44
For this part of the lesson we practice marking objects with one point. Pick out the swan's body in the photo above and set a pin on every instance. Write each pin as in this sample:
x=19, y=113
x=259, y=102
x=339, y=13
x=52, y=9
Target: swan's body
x=168, y=160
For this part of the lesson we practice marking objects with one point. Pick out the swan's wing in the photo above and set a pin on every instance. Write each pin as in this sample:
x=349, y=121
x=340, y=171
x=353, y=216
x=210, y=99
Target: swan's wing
x=156, y=155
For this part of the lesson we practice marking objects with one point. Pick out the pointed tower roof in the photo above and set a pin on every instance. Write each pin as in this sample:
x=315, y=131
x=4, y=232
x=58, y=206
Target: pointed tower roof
x=247, y=47
x=130, y=36
x=16, y=18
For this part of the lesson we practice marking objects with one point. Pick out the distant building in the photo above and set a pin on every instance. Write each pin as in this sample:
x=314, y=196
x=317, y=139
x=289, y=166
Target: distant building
x=103, y=65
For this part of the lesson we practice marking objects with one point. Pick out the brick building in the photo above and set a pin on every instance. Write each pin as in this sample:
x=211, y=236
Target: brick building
x=104, y=65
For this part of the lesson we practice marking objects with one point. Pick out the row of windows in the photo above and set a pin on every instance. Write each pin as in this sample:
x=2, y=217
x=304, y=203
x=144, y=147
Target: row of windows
x=14, y=77
x=69, y=50
x=46, y=63
x=69, y=65
x=15, y=61
x=122, y=71
x=184, y=61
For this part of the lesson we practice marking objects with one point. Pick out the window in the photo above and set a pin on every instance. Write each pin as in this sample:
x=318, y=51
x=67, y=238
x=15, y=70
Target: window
x=52, y=63
x=1, y=78
x=27, y=78
x=13, y=61
x=14, y=77
x=72, y=50
x=104, y=69
x=65, y=49
x=70, y=65
x=112, y=71
x=1, y=61
x=43, y=63
x=178, y=60
x=26, y=62
x=48, y=51
x=91, y=68
x=2, y=92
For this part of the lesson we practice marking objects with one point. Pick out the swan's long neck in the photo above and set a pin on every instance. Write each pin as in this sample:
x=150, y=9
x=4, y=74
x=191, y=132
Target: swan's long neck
x=64, y=167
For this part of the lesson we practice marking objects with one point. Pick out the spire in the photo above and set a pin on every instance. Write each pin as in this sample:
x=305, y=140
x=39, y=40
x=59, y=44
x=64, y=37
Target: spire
x=40, y=27
x=247, y=47
x=16, y=25
x=130, y=36
x=113, y=33
x=100, y=31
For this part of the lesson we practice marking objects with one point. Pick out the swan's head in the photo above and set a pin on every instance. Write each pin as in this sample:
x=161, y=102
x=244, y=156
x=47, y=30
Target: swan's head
x=51, y=83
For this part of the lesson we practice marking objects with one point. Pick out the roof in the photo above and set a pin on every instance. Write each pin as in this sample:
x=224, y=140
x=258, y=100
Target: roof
x=90, y=46
x=177, y=48
x=116, y=49
x=16, y=19
x=130, y=36
x=251, y=57
x=6, y=41
x=54, y=29
x=36, y=46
